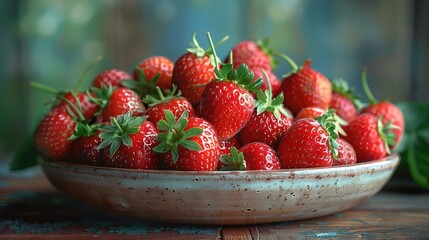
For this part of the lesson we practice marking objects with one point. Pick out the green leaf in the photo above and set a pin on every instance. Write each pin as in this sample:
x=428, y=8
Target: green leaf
x=261, y=96
x=175, y=154
x=191, y=145
x=193, y=132
x=169, y=116
x=235, y=161
x=136, y=122
x=114, y=147
x=415, y=142
x=162, y=125
x=182, y=123
x=162, y=148
x=126, y=140
x=25, y=157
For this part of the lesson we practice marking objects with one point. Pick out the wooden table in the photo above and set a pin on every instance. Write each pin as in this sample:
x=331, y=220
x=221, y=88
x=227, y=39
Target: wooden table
x=30, y=208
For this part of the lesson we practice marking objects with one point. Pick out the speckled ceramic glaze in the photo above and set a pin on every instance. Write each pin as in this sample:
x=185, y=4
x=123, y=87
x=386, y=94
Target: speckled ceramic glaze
x=223, y=197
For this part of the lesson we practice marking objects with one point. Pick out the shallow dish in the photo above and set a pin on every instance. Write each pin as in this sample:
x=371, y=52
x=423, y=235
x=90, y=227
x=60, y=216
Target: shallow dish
x=231, y=197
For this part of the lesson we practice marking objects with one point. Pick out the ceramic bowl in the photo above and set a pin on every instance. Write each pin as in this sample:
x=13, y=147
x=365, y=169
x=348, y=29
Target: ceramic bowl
x=231, y=197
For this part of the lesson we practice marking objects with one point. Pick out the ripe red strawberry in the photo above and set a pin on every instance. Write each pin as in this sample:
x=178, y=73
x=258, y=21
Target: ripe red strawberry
x=254, y=55
x=225, y=148
x=84, y=147
x=369, y=137
x=111, y=77
x=51, y=137
x=346, y=153
x=252, y=156
x=156, y=67
x=309, y=143
x=128, y=142
x=227, y=103
x=310, y=112
x=259, y=156
x=172, y=101
x=344, y=101
x=387, y=110
x=269, y=121
x=188, y=144
x=121, y=101
x=193, y=71
x=305, y=87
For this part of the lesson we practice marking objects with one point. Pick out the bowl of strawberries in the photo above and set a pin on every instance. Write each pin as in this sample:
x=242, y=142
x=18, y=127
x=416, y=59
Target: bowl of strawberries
x=204, y=142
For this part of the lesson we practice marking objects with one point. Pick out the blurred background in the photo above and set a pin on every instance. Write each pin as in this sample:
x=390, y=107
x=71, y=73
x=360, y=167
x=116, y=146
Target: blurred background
x=52, y=41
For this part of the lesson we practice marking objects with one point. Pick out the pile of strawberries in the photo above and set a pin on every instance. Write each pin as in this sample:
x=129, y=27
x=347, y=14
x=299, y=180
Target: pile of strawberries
x=199, y=113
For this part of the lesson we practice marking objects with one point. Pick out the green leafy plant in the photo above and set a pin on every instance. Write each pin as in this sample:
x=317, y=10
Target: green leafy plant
x=415, y=142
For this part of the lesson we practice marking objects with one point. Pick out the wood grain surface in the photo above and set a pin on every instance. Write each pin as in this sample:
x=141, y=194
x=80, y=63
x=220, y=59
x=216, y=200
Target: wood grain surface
x=30, y=208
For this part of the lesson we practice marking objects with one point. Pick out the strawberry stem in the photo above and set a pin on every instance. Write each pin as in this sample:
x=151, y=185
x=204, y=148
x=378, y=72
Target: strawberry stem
x=218, y=43
x=213, y=49
x=366, y=89
x=44, y=87
x=77, y=109
x=230, y=58
x=160, y=94
x=267, y=79
x=85, y=72
x=288, y=60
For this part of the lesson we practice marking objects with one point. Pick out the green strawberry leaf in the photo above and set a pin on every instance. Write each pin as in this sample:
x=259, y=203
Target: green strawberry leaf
x=172, y=134
x=232, y=162
x=25, y=157
x=415, y=142
x=118, y=132
x=142, y=85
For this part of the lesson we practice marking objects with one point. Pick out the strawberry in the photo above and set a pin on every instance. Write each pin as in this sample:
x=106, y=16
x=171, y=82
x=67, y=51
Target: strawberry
x=344, y=101
x=84, y=147
x=310, y=112
x=226, y=145
x=305, y=87
x=193, y=71
x=269, y=121
x=155, y=65
x=128, y=142
x=252, y=156
x=254, y=55
x=387, y=110
x=188, y=144
x=151, y=72
x=227, y=102
x=346, y=153
x=225, y=148
x=257, y=56
x=369, y=137
x=51, y=137
x=172, y=101
x=309, y=143
x=111, y=77
x=121, y=101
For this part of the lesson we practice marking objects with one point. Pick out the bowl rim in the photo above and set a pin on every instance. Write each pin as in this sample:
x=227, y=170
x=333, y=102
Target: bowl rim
x=390, y=160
